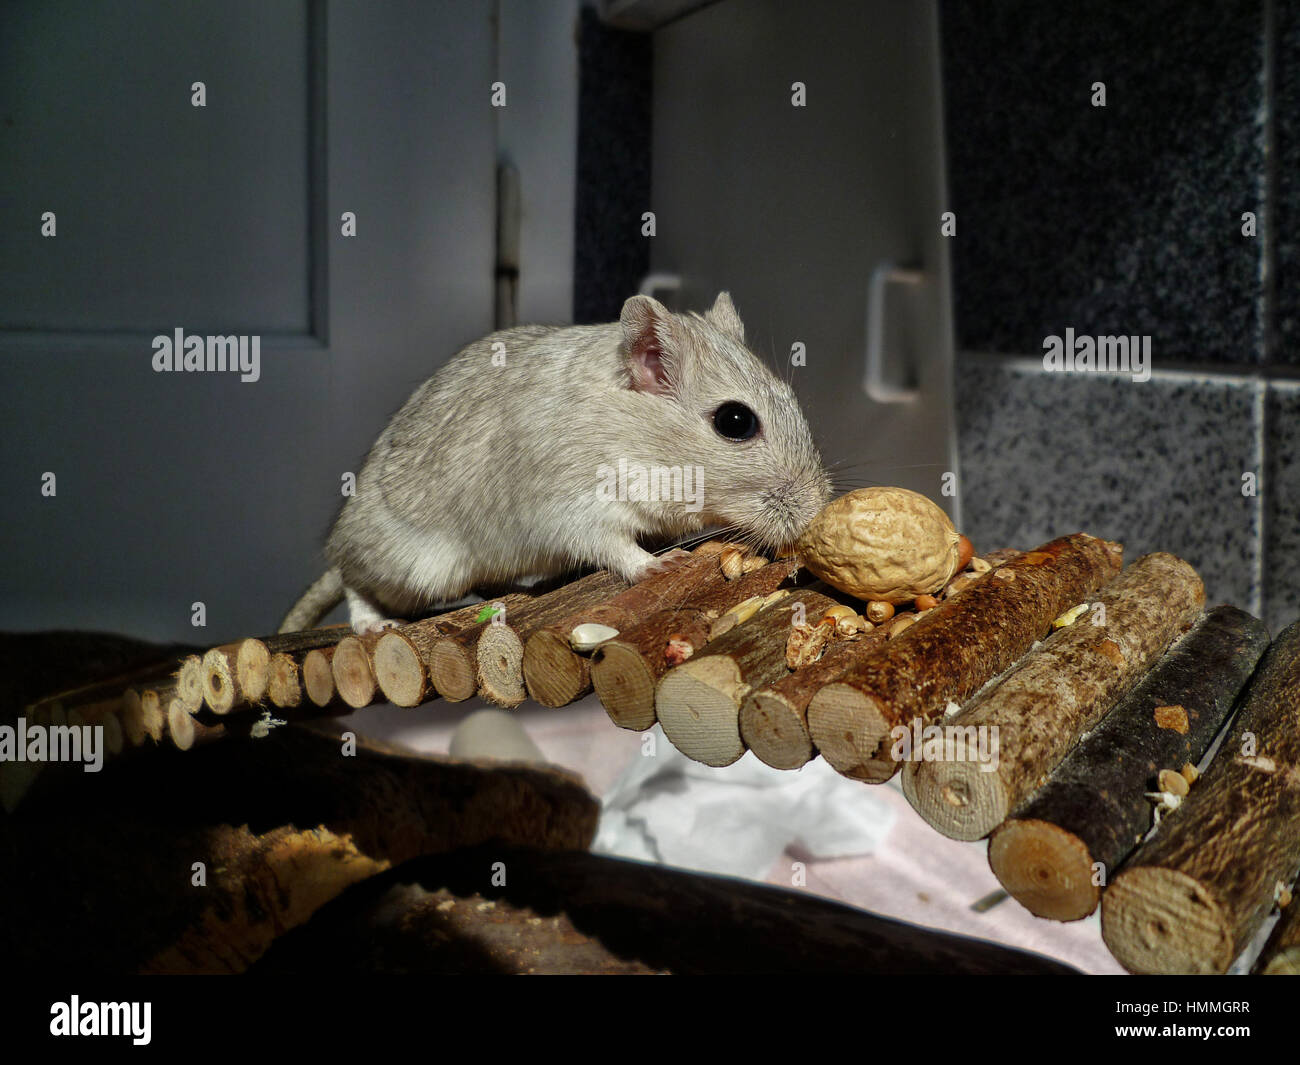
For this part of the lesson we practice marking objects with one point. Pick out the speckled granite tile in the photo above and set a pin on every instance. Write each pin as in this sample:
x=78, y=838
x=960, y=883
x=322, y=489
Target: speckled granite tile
x=1286, y=114
x=1157, y=466
x=1282, y=497
x=1115, y=220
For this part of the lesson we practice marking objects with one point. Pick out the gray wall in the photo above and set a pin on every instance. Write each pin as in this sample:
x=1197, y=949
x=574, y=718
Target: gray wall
x=183, y=487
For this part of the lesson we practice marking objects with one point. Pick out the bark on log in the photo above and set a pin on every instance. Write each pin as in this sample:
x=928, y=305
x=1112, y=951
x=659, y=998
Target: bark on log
x=498, y=653
x=402, y=656
x=626, y=670
x=698, y=703
x=442, y=915
x=1052, y=698
x=774, y=719
x=1093, y=811
x=952, y=652
x=555, y=674
x=1281, y=954
x=1191, y=899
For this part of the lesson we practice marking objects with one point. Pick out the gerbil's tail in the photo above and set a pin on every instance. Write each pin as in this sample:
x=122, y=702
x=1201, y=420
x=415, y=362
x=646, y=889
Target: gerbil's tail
x=317, y=601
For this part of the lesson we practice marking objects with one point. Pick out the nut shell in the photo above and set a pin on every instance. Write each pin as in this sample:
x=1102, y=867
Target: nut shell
x=882, y=543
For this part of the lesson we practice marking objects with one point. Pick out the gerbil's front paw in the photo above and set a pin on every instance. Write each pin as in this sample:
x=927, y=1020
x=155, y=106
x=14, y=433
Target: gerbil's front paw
x=665, y=563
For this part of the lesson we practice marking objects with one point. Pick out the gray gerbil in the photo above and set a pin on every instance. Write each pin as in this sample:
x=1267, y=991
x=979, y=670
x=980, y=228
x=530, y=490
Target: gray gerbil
x=529, y=454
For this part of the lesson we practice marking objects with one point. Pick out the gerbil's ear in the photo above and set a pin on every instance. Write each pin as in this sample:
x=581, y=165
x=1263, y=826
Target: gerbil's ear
x=724, y=317
x=650, y=346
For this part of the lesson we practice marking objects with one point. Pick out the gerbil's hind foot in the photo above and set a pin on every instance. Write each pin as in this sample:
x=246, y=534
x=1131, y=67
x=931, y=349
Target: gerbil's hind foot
x=365, y=615
x=665, y=563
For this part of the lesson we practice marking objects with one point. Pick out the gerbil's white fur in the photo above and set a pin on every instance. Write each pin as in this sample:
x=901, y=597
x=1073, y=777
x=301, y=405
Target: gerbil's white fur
x=489, y=472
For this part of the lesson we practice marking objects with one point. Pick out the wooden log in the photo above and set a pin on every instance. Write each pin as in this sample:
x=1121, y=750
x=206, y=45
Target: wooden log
x=698, y=703
x=401, y=658
x=555, y=674
x=189, y=682
x=1192, y=898
x=108, y=688
x=1051, y=699
x=253, y=656
x=626, y=670
x=318, y=677
x=221, y=690
x=454, y=662
x=1059, y=848
x=570, y=911
x=774, y=718
x=354, y=677
x=499, y=654
x=144, y=711
x=281, y=826
x=1281, y=954
x=284, y=681
x=952, y=652
x=185, y=730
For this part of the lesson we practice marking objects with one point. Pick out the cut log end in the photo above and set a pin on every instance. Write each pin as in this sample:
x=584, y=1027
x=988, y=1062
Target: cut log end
x=625, y=685
x=451, y=668
x=220, y=686
x=1044, y=868
x=697, y=705
x=252, y=669
x=500, y=655
x=851, y=731
x=774, y=731
x=317, y=677
x=1158, y=920
x=283, y=681
x=399, y=670
x=961, y=799
x=189, y=682
x=553, y=673
x=354, y=680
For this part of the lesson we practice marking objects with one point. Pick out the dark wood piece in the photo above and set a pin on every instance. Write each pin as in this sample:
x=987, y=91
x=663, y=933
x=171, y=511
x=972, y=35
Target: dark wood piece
x=1192, y=898
x=1093, y=811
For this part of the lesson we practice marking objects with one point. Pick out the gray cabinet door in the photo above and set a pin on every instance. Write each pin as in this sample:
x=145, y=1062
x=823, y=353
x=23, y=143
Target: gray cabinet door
x=181, y=487
x=796, y=209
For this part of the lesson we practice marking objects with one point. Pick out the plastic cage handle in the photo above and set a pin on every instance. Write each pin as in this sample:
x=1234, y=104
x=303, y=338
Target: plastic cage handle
x=876, y=386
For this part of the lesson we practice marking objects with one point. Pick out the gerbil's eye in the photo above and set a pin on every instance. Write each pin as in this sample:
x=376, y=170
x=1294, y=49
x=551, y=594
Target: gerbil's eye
x=735, y=421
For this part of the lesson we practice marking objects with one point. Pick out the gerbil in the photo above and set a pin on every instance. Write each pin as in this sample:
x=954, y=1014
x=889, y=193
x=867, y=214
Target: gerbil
x=505, y=463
